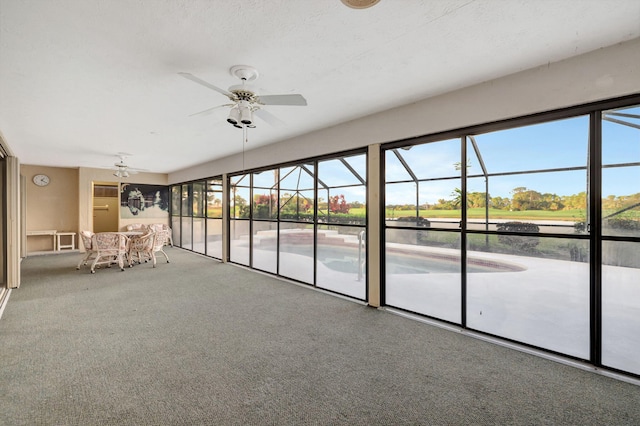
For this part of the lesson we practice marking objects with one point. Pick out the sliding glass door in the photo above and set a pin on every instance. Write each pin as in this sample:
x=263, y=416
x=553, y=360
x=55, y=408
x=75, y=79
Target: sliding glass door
x=620, y=213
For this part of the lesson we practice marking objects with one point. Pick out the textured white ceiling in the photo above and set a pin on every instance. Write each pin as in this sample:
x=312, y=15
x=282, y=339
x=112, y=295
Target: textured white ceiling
x=81, y=80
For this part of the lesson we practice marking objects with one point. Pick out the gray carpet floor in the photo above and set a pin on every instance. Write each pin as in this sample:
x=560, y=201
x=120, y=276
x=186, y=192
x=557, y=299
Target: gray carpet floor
x=197, y=342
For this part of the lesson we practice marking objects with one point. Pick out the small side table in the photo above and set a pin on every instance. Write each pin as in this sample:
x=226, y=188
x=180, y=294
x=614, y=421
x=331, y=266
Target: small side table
x=71, y=246
x=51, y=232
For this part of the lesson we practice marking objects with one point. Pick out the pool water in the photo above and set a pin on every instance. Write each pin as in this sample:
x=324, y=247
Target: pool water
x=345, y=259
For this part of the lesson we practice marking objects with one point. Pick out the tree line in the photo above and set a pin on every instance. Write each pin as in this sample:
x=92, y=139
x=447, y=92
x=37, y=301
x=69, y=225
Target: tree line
x=523, y=198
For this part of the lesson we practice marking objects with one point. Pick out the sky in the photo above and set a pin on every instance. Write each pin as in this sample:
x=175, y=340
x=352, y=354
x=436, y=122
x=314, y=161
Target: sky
x=551, y=145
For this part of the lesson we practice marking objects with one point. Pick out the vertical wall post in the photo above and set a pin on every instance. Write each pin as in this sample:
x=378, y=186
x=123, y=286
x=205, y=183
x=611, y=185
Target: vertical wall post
x=15, y=225
x=594, y=226
x=374, y=220
x=225, y=218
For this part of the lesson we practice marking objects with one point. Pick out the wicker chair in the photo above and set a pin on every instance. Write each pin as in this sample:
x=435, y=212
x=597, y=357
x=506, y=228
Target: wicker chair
x=155, y=227
x=159, y=242
x=141, y=248
x=90, y=253
x=110, y=248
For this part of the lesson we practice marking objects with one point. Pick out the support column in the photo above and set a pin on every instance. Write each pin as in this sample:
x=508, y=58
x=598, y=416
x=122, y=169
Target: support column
x=14, y=214
x=225, y=218
x=375, y=215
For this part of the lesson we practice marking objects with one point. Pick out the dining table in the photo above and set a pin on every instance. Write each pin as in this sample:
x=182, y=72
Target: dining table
x=131, y=233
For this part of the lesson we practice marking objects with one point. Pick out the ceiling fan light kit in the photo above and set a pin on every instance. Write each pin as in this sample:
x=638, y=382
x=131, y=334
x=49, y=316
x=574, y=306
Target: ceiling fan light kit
x=245, y=112
x=234, y=116
x=122, y=170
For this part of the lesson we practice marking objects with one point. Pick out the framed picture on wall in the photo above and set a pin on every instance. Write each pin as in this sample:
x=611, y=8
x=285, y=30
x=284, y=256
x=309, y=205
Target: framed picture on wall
x=143, y=201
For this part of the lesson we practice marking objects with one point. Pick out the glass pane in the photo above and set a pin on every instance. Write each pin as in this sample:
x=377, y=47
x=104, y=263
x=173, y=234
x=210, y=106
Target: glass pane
x=543, y=302
x=239, y=200
x=621, y=201
x=550, y=145
x=198, y=199
x=239, y=180
x=621, y=305
x=342, y=171
x=546, y=194
x=296, y=193
x=394, y=170
x=342, y=190
x=239, y=241
x=432, y=160
x=187, y=200
x=267, y=179
x=175, y=228
x=621, y=184
x=529, y=203
x=214, y=199
x=423, y=272
x=186, y=233
x=298, y=178
x=214, y=238
x=296, y=206
x=533, y=246
x=265, y=236
x=621, y=136
x=434, y=200
x=296, y=251
x=175, y=200
x=341, y=260
x=323, y=204
x=265, y=197
x=198, y=235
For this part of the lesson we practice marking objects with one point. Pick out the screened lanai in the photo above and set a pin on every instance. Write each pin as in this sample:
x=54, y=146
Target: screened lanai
x=527, y=230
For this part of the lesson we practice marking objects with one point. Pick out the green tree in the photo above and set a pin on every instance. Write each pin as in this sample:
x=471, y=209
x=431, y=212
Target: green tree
x=457, y=198
x=526, y=199
x=476, y=199
x=501, y=203
x=241, y=208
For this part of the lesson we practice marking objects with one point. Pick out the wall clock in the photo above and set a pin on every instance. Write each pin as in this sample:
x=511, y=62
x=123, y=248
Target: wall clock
x=41, y=180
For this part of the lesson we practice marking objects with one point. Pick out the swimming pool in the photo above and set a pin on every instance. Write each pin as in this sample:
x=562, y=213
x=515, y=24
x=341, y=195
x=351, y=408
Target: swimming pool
x=400, y=261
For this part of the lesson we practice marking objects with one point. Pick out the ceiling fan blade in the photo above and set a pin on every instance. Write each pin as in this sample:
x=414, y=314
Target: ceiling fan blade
x=205, y=84
x=210, y=110
x=294, y=99
x=268, y=117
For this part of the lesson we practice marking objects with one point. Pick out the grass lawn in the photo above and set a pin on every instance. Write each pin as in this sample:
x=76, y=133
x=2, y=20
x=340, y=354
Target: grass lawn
x=479, y=213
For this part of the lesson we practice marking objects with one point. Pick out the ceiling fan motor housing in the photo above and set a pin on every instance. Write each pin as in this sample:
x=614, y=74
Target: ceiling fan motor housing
x=243, y=93
x=244, y=72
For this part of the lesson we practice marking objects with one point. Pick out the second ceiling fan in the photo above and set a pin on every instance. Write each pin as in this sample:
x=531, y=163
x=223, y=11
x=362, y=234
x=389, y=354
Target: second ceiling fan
x=245, y=100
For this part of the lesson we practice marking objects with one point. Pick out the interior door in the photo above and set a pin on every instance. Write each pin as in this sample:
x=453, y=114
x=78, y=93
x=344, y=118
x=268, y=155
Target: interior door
x=105, y=207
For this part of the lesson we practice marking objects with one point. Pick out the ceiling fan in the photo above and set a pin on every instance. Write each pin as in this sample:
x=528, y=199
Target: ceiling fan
x=122, y=170
x=245, y=101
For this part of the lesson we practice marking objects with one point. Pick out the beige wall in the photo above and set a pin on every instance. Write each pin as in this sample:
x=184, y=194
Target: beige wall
x=66, y=204
x=88, y=176
x=54, y=206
